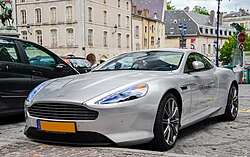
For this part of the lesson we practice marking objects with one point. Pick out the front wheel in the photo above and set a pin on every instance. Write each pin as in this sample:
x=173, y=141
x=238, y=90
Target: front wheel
x=231, y=111
x=167, y=123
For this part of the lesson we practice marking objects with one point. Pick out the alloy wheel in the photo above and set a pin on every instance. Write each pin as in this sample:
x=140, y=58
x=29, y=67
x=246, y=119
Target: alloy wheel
x=233, y=99
x=171, y=121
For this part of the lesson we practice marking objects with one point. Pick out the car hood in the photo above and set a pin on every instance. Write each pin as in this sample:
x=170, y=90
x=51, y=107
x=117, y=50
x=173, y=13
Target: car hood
x=80, y=88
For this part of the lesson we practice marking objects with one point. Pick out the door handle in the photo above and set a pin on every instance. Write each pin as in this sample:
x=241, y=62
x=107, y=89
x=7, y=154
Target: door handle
x=37, y=73
x=2, y=67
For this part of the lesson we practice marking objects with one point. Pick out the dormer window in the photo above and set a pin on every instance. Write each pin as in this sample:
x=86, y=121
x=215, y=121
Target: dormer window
x=201, y=30
x=211, y=31
x=206, y=31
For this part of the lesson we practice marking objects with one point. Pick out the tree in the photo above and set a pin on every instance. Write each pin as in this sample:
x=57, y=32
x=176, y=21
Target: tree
x=200, y=10
x=229, y=47
x=169, y=7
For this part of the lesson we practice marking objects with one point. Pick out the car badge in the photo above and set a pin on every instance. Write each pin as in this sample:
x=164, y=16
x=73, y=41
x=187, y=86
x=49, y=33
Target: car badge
x=60, y=95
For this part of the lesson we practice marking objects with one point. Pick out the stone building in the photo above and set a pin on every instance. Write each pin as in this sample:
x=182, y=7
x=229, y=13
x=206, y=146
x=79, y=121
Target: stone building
x=96, y=29
x=200, y=34
x=241, y=17
x=148, y=28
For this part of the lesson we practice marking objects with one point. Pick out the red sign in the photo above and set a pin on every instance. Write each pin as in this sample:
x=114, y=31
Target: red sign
x=241, y=46
x=241, y=37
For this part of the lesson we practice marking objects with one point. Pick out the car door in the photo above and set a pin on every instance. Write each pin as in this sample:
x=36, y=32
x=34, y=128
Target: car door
x=204, y=86
x=15, y=78
x=44, y=64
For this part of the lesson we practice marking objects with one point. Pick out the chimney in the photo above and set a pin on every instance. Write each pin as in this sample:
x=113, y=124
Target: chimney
x=221, y=19
x=212, y=17
x=139, y=12
x=186, y=9
x=241, y=11
x=134, y=9
x=145, y=13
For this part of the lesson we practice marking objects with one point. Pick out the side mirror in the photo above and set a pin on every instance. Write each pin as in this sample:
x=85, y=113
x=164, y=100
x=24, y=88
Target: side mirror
x=60, y=67
x=197, y=65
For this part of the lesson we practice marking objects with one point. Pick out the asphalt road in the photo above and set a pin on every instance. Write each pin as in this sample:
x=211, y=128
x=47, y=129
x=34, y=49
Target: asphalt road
x=208, y=138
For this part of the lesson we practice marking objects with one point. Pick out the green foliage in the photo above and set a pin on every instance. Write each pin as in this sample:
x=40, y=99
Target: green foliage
x=200, y=10
x=228, y=49
x=169, y=7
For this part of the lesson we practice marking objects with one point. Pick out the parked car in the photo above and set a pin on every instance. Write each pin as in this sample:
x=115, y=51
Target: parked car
x=82, y=65
x=24, y=65
x=134, y=98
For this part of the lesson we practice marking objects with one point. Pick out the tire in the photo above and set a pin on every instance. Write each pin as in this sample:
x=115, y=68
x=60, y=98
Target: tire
x=231, y=111
x=167, y=123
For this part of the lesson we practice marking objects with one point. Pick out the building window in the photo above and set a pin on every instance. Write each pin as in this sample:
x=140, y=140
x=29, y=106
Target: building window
x=146, y=29
x=70, y=37
x=119, y=20
x=221, y=32
x=24, y=35
x=105, y=39
x=152, y=41
x=69, y=13
x=230, y=33
x=137, y=47
x=127, y=21
x=22, y=0
x=119, y=3
x=206, y=31
x=145, y=42
x=127, y=5
x=119, y=40
x=53, y=38
x=127, y=41
x=90, y=14
x=204, y=48
x=90, y=37
x=23, y=17
x=137, y=32
x=152, y=28
x=225, y=33
x=38, y=14
x=39, y=37
x=184, y=43
x=211, y=31
x=105, y=17
x=105, y=1
x=201, y=30
x=209, y=49
x=53, y=15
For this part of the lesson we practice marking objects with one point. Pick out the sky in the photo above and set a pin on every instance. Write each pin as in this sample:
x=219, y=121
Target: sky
x=226, y=5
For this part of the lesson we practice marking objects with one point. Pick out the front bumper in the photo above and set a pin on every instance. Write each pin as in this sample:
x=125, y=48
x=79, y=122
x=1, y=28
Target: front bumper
x=126, y=123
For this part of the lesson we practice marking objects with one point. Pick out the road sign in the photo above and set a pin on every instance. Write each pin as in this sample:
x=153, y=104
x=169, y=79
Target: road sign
x=241, y=46
x=241, y=37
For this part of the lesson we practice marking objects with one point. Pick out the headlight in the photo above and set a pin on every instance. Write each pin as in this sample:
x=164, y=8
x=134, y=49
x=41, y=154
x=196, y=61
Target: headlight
x=130, y=93
x=34, y=92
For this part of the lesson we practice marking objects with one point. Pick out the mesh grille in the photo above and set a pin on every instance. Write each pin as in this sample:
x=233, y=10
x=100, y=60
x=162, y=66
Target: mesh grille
x=62, y=112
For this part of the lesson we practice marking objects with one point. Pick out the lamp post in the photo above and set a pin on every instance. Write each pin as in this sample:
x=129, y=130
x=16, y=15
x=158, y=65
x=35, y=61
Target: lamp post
x=183, y=30
x=217, y=37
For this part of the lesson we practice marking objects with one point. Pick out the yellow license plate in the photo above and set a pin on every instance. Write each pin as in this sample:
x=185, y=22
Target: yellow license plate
x=66, y=127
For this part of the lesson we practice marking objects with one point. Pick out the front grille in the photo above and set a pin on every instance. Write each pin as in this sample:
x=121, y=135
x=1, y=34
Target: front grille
x=62, y=112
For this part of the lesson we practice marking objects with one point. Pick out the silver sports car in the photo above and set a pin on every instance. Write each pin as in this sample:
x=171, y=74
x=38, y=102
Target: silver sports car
x=139, y=97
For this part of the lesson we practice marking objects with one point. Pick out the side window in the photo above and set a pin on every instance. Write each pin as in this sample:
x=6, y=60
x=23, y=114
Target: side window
x=197, y=57
x=207, y=64
x=38, y=57
x=8, y=51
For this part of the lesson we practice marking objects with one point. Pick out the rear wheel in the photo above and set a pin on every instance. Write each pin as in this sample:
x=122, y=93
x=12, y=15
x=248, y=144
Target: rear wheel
x=167, y=123
x=231, y=111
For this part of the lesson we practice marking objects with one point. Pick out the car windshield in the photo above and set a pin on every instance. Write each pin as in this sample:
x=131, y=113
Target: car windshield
x=79, y=63
x=150, y=60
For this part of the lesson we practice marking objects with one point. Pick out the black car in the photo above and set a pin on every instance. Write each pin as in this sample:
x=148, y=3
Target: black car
x=82, y=65
x=23, y=66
